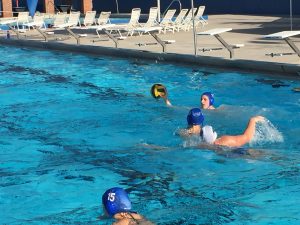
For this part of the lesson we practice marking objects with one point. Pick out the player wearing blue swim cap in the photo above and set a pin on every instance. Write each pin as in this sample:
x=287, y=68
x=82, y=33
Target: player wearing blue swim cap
x=195, y=117
x=195, y=120
x=117, y=205
x=116, y=200
x=207, y=100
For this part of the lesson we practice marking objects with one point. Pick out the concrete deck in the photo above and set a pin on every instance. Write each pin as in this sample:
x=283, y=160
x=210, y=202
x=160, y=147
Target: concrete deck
x=247, y=29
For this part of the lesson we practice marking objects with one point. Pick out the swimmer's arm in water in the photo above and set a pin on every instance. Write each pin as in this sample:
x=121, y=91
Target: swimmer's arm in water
x=242, y=139
x=167, y=101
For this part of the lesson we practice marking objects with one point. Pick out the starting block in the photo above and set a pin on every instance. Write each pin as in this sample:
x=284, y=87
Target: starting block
x=284, y=35
x=216, y=33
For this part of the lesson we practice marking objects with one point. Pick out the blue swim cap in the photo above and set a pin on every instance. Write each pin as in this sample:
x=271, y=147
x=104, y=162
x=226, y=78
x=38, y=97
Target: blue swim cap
x=195, y=117
x=116, y=200
x=210, y=97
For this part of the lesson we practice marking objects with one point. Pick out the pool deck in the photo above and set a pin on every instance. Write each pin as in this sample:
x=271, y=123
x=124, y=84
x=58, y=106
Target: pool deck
x=246, y=29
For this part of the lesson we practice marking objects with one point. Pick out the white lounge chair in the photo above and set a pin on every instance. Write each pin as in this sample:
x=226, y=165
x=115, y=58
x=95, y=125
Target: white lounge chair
x=216, y=33
x=168, y=17
x=73, y=20
x=15, y=23
x=178, y=21
x=199, y=16
x=130, y=26
x=187, y=21
x=285, y=35
x=103, y=18
x=59, y=19
x=152, y=19
x=60, y=23
x=102, y=22
x=151, y=30
x=167, y=20
x=89, y=18
x=38, y=21
x=23, y=17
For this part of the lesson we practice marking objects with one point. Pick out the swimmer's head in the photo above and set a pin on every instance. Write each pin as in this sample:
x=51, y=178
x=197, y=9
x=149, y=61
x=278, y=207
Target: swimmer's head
x=207, y=100
x=208, y=134
x=116, y=200
x=195, y=117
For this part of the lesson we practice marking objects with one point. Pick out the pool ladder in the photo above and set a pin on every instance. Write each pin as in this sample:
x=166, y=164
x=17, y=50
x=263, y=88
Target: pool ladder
x=180, y=6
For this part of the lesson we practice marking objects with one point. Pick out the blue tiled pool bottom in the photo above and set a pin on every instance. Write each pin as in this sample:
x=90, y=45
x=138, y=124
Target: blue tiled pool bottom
x=73, y=126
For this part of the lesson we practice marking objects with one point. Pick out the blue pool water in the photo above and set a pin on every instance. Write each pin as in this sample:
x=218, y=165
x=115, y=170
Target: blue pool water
x=73, y=126
x=119, y=20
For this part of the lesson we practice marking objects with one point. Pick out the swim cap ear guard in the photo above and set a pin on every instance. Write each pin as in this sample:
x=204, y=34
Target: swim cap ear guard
x=195, y=117
x=116, y=200
x=159, y=90
x=210, y=97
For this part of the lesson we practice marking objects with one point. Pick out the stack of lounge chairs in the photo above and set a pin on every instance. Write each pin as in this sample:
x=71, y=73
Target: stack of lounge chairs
x=102, y=25
x=184, y=20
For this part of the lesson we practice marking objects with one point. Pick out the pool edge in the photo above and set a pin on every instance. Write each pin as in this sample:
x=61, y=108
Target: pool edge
x=254, y=66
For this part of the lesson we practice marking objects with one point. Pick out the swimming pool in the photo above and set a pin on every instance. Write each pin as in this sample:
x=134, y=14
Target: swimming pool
x=73, y=126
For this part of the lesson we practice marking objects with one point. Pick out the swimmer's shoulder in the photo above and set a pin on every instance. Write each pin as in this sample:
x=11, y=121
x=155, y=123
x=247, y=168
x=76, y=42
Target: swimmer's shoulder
x=136, y=219
x=221, y=107
x=132, y=218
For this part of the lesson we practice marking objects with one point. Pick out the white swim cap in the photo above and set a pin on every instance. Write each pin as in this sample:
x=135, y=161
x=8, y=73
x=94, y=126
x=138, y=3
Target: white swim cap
x=209, y=135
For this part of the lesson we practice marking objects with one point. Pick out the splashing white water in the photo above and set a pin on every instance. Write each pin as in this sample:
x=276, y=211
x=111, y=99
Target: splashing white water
x=189, y=140
x=266, y=132
x=192, y=141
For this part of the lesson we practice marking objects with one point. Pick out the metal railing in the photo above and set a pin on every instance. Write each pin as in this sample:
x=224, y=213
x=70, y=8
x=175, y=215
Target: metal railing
x=180, y=6
x=117, y=5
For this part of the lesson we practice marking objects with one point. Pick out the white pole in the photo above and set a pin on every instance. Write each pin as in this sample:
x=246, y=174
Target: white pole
x=291, y=13
x=194, y=30
x=117, y=3
x=158, y=8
